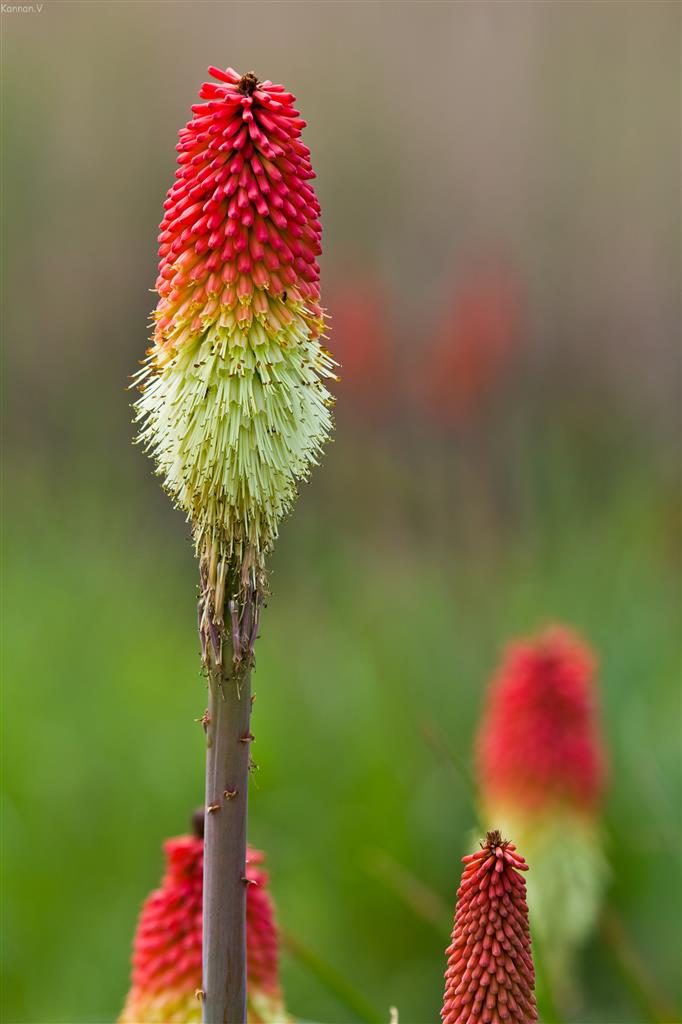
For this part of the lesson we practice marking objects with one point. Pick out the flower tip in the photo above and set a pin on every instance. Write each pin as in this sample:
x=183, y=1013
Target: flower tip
x=248, y=84
x=493, y=839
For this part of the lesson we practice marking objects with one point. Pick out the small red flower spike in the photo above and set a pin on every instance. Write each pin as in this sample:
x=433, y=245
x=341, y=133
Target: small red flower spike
x=166, y=977
x=490, y=977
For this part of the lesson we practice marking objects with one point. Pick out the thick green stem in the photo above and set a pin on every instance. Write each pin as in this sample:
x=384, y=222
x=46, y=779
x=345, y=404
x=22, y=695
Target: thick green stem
x=227, y=773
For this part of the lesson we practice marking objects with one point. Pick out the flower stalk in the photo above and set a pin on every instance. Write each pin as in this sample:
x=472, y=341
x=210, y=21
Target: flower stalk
x=228, y=739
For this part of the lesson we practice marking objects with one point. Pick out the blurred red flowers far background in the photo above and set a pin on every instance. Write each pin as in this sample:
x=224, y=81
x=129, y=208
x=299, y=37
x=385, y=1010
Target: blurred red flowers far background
x=463, y=358
x=473, y=345
x=364, y=343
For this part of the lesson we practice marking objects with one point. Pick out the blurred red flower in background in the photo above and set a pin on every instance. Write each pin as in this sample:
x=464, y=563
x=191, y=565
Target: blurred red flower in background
x=542, y=771
x=475, y=342
x=539, y=741
x=166, y=960
x=361, y=330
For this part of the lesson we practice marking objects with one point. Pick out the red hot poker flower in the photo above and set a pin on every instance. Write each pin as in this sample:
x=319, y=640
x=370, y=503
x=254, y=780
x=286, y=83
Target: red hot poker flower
x=541, y=770
x=539, y=743
x=167, y=946
x=233, y=407
x=490, y=977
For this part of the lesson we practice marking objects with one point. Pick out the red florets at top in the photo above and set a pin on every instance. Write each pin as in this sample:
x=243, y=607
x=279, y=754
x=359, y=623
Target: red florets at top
x=539, y=742
x=241, y=214
x=490, y=977
x=167, y=945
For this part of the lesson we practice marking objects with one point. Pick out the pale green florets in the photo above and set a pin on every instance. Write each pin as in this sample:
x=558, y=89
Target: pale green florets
x=234, y=420
x=566, y=882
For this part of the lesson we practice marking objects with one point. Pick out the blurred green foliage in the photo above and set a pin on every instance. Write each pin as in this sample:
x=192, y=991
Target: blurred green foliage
x=543, y=133
x=375, y=635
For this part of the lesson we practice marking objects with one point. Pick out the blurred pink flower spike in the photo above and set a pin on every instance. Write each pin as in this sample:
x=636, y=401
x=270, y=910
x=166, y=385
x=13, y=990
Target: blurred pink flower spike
x=541, y=768
x=474, y=345
x=364, y=344
x=166, y=980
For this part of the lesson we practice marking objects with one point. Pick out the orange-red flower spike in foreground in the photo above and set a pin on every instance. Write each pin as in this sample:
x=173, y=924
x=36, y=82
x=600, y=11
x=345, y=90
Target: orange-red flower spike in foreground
x=166, y=981
x=490, y=977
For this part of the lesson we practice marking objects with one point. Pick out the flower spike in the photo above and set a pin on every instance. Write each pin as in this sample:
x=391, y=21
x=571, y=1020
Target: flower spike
x=233, y=407
x=541, y=767
x=166, y=981
x=539, y=744
x=490, y=977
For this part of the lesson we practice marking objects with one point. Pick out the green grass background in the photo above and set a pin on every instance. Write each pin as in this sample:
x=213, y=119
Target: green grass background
x=445, y=135
x=377, y=631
